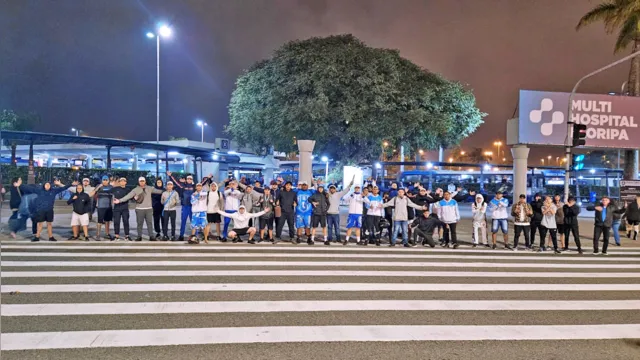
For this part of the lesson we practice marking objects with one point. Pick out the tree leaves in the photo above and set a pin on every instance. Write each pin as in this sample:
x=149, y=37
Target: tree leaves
x=348, y=98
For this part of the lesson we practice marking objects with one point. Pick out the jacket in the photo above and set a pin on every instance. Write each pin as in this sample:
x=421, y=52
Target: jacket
x=119, y=192
x=334, y=201
x=248, y=199
x=156, y=199
x=185, y=191
x=559, y=212
x=478, y=211
x=241, y=221
x=169, y=200
x=199, y=201
x=400, y=207
x=16, y=197
x=287, y=201
x=356, y=203
x=105, y=198
x=608, y=219
x=571, y=214
x=521, y=209
x=46, y=199
x=537, y=210
x=448, y=211
x=81, y=203
x=374, y=205
x=427, y=225
x=215, y=201
x=549, y=220
x=146, y=196
x=232, y=198
x=267, y=202
x=322, y=201
x=633, y=212
x=499, y=208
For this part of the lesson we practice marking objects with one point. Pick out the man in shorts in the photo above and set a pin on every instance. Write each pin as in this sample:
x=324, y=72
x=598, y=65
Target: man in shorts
x=267, y=201
x=105, y=211
x=241, y=223
x=499, y=219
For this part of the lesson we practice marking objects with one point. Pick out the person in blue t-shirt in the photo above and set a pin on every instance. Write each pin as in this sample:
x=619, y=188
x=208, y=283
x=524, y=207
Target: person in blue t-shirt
x=304, y=209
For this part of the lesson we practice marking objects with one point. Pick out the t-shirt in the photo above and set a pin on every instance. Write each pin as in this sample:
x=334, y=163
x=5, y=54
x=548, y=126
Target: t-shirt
x=302, y=198
x=104, y=197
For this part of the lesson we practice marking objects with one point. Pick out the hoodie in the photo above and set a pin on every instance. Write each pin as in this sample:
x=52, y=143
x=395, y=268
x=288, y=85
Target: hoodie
x=479, y=209
x=156, y=199
x=232, y=198
x=428, y=225
x=241, y=221
x=322, y=199
x=356, y=203
x=170, y=200
x=185, y=190
x=537, y=209
x=46, y=198
x=499, y=208
x=374, y=205
x=448, y=211
x=146, y=196
x=400, y=205
x=81, y=203
x=199, y=201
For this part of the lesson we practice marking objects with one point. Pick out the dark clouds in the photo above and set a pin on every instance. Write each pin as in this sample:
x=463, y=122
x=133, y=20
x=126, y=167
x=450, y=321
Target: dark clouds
x=88, y=64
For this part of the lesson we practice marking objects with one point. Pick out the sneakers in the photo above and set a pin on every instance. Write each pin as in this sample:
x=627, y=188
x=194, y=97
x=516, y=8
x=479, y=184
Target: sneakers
x=494, y=246
x=310, y=242
x=35, y=239
x=251, y=241
x=72, y=237
x=139, y=238
x=487, y=245
x=86, y=238
x=515, y=249
x=345, y=242
x=193, y=240
x=455, y=246
x=580, y=251
x=52, y=239
x=298, y=240
x=152, y=239
x=158, y=235
x=97, y=238
x=595, y=253
x=556, y=251
x=474, y=246
x=604, y=253
x=165, y=238
x=327, y=242
x=406, y=245
x=127, y=238
x=392, y=245
x=507, y=247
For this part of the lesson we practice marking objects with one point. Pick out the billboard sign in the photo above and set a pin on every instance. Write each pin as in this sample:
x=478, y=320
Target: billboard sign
x=612, y=121
x=629, y=189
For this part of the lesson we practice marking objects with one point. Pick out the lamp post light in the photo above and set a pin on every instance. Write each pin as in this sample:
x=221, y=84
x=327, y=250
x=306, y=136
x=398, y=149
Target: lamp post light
x=326, y=168
x=77, y=131
x=498, y=144
x=202, y=124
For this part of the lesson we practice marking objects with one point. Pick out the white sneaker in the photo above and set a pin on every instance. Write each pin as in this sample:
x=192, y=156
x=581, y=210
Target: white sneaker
x=515, y=249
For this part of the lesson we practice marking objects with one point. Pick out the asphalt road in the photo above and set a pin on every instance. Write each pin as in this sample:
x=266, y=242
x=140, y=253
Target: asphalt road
x=117, y=300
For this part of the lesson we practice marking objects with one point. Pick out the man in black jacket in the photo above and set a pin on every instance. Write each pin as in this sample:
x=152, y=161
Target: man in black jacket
x=424, y=226
x=603, y=221
x=633, y=217
x=81, y=202
x=121, y=210
x=320, y=202
x=571, y=211
x=536, y=220
x=287, y=202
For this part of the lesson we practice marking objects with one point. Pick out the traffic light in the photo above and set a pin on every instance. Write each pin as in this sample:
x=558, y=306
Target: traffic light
x=579, y=134
x=578, y=163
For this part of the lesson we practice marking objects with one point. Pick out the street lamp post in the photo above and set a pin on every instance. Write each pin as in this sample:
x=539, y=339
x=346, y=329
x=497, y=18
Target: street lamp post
x=202, y=124
x=77, y=131
x=326, y=169
x=498, y=144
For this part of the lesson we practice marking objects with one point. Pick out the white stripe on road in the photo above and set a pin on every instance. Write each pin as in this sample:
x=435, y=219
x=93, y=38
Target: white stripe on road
x=465, y=249
x=84, y=288
x=298, y=334
x=289, y=255
x=302, y=306
x=355, y=273
x=314, y=263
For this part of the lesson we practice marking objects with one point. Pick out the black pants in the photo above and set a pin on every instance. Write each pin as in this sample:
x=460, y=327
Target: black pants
x=124, y=215
x=604, y=231
x=524, y=229
x=535, y=226
x=554, y=236
x=428, y=238
x=289, y=219
x=390, y=227
x=568, y=230
x=158, y=221
x=450, y=234
x=169, y=215
x=373, y=225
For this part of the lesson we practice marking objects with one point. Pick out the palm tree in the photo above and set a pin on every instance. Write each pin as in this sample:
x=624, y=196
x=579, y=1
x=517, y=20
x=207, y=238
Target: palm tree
x=622, y=17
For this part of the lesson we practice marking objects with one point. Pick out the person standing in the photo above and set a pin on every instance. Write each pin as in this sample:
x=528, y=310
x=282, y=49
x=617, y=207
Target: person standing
x=44, y=204
x=18, y=220
x=121, y=210
x=478, y=211
x=633, y=218
x=103, y=204
x=560, y=218
x=602, y=223
x=170, y=201
x=215, y=202
x=499, y=219
x=354, y=220
x=156, y=203
x=185, y=189
x=571, y=211
x=400, y=216
x=287, y=202
x=141, y=194
x=265, y=222
x=333, y=213
x=320, y=202
x=448, y=213
x=536, y=205
x=374, y=215
x=522, y=213
x=81, y=202
x=198, y=214
x=548, y=224
x=232, y=202
x=303, y=212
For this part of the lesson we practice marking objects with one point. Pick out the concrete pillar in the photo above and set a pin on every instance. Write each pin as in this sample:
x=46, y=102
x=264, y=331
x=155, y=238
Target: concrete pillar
x=89, y=161
x=134, y=166
x=49, y=161
x=305, y=148
x=268, y=172
x=520, y=154
x=31, y=177
x=108, y=157
x=187, y=164
x=401, y=157
x=440, y=154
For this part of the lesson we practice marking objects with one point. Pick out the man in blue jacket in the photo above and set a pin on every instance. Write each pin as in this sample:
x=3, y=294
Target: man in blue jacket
x=185, y=190
x=44, y=205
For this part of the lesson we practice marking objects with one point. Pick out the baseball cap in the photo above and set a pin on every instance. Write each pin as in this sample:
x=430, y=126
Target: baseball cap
x=303, y=183
x=141, y=178
x=273, y=182
x=332, y=186
x=86, y=179
x=189, y=177
x=523, y=196
x=122, y=179
x=105, y=177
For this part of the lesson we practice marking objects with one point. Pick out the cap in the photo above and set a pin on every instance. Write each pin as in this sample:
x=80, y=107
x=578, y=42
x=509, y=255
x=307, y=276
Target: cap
x=273, y=182
x=189, y=177
x=332, y=186
x=141, y=178
x=523, y=196
x=105, y=177
x=86, y=179
x=479, y=196
x=169, y=182
x=303, y=183
x=498, y=192
x=122, y=179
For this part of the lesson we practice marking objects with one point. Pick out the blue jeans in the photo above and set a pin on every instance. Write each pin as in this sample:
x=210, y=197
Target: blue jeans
x=226, y=223
x=333, y=221
x=616, y=234
x=186, y=213
x=397, y=225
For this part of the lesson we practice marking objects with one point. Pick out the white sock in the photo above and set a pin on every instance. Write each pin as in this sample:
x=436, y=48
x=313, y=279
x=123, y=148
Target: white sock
x=358, y=239
x=313, y=237
x=325, y=238
x=347, y=237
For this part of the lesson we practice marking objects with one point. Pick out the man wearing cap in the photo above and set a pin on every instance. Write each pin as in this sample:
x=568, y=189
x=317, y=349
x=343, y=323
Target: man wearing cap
x=400, y=216
x=275, y=192
x=333, y=214
x=232, y=200
x=374, y=215
x=121, y=210
x=267, y=201
x=354, y=221
x=304, y=211
x=105, y=211
x=199, y=213
x=499, y=219
x=170, y=201
x=86, y=183
x=287, y=202
x=185, y=189
x=241, y=223
x=144, y=209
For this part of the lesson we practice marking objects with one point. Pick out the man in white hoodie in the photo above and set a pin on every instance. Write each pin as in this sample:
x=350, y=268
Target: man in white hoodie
x=198, y=213
x=232, y=196
x=215, y=202
x=448, y=213
x=354, y=221
x=499, y=219
x=479, y=210
x=241, y=223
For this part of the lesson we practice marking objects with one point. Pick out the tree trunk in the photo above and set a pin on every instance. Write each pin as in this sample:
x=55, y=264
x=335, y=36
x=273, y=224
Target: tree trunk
x=13, y=154
x=631, y=156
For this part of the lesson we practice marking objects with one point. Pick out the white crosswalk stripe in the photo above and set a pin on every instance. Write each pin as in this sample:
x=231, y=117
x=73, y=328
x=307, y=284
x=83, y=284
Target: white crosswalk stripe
x=123, y=295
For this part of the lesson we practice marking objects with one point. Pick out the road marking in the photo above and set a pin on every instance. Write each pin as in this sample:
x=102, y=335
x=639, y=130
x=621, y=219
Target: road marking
x=315, y=263
x=297, y=334
x=464, y=249
x=286, y=273
x=307, y=306
x=290, y=255
x=84, y=288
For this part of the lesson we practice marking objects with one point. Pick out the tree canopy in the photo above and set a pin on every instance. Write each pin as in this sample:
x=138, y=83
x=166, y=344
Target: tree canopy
x=349, y=98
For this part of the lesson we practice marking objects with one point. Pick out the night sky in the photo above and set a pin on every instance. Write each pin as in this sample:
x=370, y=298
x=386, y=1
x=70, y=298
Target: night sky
x=88, y=64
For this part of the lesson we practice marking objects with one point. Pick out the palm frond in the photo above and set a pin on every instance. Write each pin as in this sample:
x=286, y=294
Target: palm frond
x=605, y=12
x=628, y=32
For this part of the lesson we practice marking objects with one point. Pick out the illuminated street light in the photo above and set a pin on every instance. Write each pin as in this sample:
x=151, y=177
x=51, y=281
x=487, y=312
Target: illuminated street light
x=202, y=124
x=326, y=169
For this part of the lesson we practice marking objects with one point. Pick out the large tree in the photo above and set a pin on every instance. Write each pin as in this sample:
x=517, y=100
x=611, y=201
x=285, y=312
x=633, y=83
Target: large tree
x=349, y=98
x=10, y=120
x=623, y=18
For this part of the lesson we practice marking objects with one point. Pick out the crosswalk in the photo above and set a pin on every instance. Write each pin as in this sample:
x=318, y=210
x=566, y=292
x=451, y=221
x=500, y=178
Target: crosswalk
x=141, y=300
